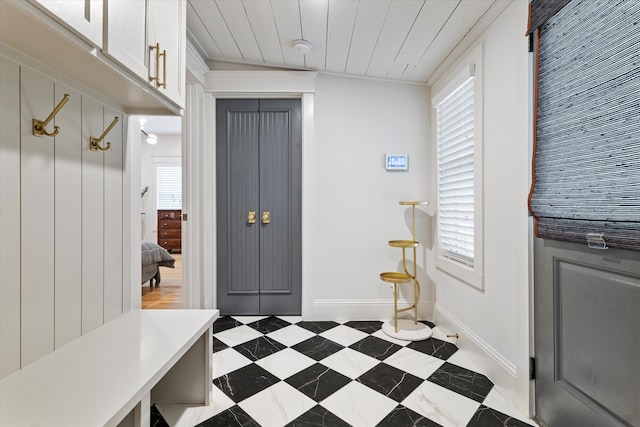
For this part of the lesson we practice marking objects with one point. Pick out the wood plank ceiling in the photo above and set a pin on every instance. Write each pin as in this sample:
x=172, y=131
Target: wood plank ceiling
x=390, y=39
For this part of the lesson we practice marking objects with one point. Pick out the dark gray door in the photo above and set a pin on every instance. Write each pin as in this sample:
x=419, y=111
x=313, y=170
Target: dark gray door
x=587, y=335
x=259, y=158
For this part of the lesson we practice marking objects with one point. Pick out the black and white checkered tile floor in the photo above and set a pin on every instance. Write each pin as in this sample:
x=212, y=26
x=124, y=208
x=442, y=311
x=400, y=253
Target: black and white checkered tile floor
x=281, y=371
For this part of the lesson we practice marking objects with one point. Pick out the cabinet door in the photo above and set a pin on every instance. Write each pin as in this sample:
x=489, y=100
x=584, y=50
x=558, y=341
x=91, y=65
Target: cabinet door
x=83, y=17
x=167, y=28
x=126, y=35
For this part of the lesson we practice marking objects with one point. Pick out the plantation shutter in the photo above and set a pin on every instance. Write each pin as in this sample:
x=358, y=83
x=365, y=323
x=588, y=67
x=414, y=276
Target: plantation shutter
x=169, y=186
x=587, y=143
x=455, y=148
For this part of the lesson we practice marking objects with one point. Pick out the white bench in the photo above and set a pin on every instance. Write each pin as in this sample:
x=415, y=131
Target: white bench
x=110, y=376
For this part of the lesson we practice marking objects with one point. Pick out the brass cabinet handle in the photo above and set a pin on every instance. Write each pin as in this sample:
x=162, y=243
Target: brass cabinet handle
x=251, y=217
x=164, y=70
x=266, y=217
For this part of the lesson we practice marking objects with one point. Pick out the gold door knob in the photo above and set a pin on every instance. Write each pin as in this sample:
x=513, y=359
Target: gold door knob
x=266, y=217
x=251, y=217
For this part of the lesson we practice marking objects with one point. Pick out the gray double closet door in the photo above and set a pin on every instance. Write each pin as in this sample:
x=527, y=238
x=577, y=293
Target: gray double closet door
x=258, y=180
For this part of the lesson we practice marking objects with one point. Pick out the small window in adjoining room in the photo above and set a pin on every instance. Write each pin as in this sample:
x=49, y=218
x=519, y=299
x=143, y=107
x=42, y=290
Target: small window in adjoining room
x=169, y=186
x=459, y=176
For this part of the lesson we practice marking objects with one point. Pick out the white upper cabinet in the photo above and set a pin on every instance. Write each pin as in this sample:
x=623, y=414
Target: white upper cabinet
x=83, y=17
x=126, y=35
x=166, y=21
x=149, y=38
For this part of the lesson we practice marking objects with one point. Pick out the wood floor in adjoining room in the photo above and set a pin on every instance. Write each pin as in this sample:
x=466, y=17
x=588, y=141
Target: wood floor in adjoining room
x=169, y=293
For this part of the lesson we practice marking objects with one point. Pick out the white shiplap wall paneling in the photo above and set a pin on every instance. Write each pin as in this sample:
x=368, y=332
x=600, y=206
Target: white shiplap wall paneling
x=397, y=24
x=37, y=225
x=342, y=18
x=113, y=220
x=236, y=17
x=462, y=20
x=9, y=217
x=266, y=33
x=365, y=35
x=286, y=16
x=423, y=31
x=208, y=12
x=68, y=218
x=313, y=14
x=92, y=218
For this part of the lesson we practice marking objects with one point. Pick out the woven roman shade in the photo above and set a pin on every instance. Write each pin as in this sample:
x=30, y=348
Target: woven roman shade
x=587, y=136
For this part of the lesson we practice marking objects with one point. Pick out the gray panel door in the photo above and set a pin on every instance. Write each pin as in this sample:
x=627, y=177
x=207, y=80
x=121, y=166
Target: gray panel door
x=587, y=335
x=259, y=157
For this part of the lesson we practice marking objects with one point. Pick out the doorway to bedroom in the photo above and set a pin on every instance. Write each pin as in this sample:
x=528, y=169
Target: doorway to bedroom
x=161, y=212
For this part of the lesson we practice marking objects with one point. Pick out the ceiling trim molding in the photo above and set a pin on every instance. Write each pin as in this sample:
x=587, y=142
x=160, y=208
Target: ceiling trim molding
x=196, y=66
x=255, y=82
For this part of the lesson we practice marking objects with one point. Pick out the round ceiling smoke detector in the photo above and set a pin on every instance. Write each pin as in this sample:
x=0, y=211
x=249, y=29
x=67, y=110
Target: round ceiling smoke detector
x=302, y=46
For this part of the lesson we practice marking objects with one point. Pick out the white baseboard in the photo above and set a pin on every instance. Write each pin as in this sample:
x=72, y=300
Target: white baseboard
x=501, y=371
x=371, y=309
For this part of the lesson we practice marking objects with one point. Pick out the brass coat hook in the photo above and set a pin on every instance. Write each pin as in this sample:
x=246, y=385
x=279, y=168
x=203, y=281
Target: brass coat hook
x=40, y=125
x=95, y=142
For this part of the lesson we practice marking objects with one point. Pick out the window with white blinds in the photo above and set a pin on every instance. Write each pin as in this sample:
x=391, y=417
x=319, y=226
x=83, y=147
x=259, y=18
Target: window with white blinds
x=169, y=186
x=455, y=162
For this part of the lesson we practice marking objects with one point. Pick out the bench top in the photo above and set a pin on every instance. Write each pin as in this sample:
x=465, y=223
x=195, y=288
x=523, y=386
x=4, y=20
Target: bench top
x=98, y=378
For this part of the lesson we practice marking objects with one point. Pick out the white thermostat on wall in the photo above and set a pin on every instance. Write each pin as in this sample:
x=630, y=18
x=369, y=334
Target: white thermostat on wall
x=397, y=162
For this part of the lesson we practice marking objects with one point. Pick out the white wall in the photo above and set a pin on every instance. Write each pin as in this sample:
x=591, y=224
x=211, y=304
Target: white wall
x=493, y=323
x=168, y=147
x=355, y=201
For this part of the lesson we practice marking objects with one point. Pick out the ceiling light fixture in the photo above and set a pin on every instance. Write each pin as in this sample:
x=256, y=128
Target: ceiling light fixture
x=150, y=138
x=302, y=46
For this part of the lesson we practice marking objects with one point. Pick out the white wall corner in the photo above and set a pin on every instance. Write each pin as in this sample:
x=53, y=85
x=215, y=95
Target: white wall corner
x=196, y=67
x=501, y=371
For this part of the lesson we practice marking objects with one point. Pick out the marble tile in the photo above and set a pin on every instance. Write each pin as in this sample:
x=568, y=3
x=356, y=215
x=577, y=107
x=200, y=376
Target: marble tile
x=238, y=335
x=291, y=335
x=318, y=381
x=225, y=322
x=368, y=327
x=218, y=345
x=463, y=381
x=404, y=417
x=419, y=364
x=245, y=382
x=248, y=319
x=318, y=417
x=344, y=335
x=440, y=405
x=429, y=324
x=380, y=334
x=269, y=324
x=459, y=358
x=291, y=319
x=390, y=381
x=285, y=363
x=359, y=405
x=318, y=327
x=434, y=347
x=317, y=347
x=258, y=348
x=226, y=361
x=157, y=420
x=375, y=347
x=232, y=417
x=277, y=405
x=350, y=362
x=188, y=415
x=495, y=400
x=487, y=417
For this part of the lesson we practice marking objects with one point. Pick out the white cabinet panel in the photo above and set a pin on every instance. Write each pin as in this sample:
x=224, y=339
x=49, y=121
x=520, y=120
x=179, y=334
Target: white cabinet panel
x=113, y=217
x=84, y=17
x=9, y=216
x=126, y=35
x=37, y=227
x=68, y=218
x=167, y=29
x=92, y=218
